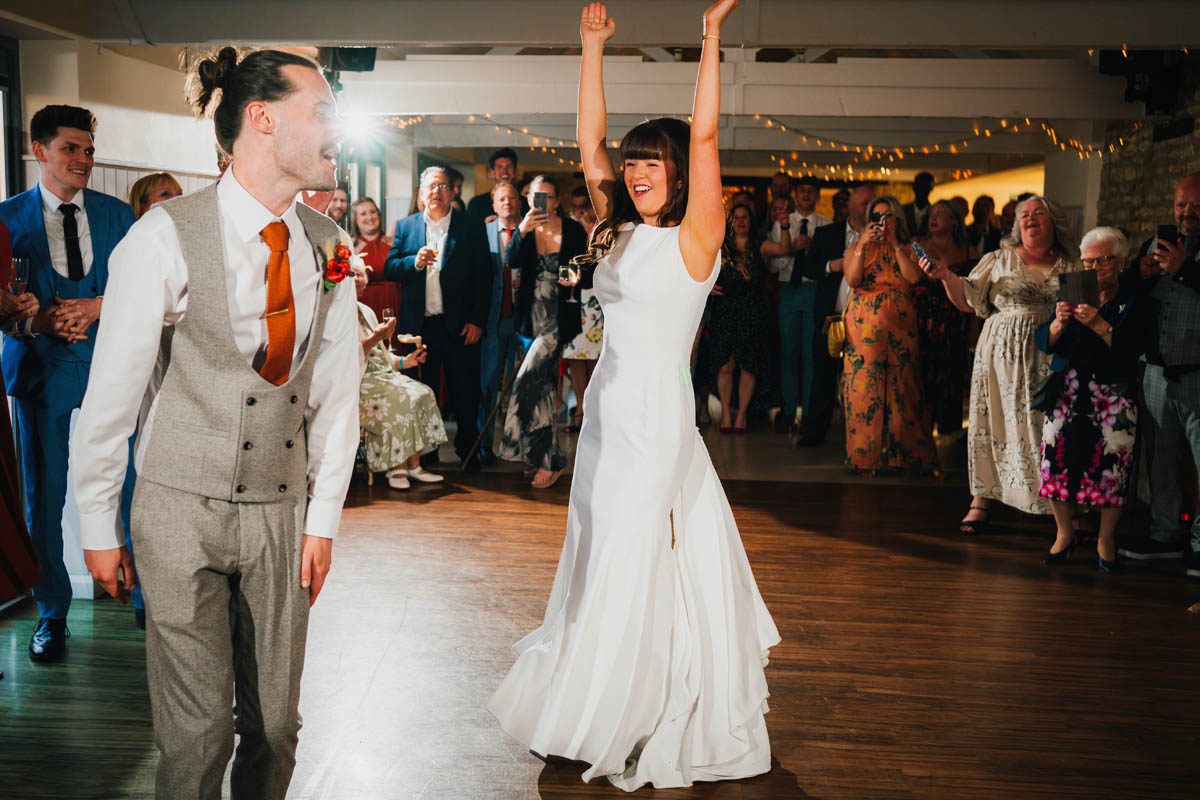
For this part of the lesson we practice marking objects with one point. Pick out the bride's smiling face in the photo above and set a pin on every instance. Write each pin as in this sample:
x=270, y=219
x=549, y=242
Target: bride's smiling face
x=650, y=182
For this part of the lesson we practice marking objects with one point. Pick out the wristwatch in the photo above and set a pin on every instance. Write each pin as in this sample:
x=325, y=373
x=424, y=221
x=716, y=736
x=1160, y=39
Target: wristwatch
x=783, y=227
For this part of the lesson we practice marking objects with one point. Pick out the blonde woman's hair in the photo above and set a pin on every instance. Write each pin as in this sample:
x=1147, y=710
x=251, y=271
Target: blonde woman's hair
x=145, y=187
x=1063, y=241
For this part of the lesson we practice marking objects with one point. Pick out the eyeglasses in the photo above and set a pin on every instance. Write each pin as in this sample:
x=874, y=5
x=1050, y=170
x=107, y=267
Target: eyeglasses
x=1102, y=261
x=437, y=187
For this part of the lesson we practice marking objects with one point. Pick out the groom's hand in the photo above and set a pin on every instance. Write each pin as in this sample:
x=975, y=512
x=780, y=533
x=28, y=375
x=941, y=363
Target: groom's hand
x=106, y=566
x=315, y=555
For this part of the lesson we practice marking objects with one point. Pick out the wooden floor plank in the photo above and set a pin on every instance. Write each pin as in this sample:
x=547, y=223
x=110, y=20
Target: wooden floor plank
x=915, y=662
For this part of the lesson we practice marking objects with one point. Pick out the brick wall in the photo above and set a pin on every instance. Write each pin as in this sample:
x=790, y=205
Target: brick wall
x=1137, y=183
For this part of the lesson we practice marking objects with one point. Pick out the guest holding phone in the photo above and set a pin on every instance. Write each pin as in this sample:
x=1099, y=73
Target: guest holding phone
x=1088, y=437
x=548, y=313
x=1013, y=289
x=887, y=422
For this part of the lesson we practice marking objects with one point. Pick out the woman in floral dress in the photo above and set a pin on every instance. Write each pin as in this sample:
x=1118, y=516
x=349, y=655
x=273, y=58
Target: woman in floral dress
x=1013, y=289
x=1087, y=441
x=399, y=416
x=887, y=423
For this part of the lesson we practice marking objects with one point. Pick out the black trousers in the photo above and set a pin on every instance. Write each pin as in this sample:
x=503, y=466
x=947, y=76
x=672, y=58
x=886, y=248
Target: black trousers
x=823, y=400
x=461, y=362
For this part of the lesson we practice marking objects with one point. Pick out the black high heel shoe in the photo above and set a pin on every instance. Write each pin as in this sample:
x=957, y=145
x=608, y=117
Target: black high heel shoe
x=1108, y=567
x=1061, y=556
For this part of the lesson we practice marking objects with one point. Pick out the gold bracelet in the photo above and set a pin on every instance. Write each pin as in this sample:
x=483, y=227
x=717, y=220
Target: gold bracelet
x=710, y=36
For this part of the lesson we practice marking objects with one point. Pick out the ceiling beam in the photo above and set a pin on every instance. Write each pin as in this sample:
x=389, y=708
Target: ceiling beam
x=1051, y=24
x=919, y=88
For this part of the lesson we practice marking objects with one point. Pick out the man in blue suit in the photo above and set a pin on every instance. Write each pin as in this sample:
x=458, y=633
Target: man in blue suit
x=499, y=343
x=441, y=257
x=67, y=232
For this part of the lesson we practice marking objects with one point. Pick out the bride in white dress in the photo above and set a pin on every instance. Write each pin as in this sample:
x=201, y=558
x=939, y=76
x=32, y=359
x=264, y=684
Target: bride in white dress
x=649, y=661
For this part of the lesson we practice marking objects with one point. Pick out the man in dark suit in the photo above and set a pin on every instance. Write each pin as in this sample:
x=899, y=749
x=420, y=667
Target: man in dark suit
x=499, y=337
x=916, y=211
x=441, y=257
x=1169, y=273
x=67, y=232
x=502, y=168
x=823, y=264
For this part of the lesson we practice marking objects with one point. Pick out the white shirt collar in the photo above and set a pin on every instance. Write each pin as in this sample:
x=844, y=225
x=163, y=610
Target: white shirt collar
x=51, y=201
x=246, y=215
x=440, y=226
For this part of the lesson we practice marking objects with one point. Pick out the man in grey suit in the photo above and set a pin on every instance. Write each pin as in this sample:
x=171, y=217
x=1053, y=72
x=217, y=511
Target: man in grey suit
x=1170, y=273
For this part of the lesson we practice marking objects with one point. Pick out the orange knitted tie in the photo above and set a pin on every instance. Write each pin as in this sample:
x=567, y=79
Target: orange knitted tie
x=281, y=310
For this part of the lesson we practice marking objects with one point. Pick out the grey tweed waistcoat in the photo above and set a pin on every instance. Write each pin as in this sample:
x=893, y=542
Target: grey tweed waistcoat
x=220, y=429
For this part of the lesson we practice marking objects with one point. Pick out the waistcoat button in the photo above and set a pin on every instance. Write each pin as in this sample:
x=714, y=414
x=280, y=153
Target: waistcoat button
x=283, y=487
x=289, y=444
x=240, y=488
x=294, y=399
x=250, y=401
x=248, y=446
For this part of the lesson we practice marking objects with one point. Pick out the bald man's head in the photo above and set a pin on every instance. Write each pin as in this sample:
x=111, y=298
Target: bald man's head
x=1187, y=205
x=860, y=198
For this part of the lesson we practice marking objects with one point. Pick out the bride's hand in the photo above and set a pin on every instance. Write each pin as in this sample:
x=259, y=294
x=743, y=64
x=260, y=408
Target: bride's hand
x=596, y=25
x=716, y=14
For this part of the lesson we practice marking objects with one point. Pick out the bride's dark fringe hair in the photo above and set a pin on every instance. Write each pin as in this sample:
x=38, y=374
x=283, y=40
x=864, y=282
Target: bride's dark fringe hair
x=664, y=139
x=257, y=77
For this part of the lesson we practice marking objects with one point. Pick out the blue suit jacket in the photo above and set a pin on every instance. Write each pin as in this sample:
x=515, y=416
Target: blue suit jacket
x=27, y=361
x=493, y=240
x=466, y=275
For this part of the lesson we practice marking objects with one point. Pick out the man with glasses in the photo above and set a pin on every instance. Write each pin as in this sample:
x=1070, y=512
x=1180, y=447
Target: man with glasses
x=441, y=256
x=1170, y=272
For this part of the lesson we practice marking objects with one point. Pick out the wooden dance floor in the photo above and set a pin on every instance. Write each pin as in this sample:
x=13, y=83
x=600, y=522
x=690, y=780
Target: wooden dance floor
x=915, y=662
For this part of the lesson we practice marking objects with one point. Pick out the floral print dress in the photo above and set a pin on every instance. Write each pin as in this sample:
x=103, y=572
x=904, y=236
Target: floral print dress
x=887, y=424
x=1004, y=434
x=1087, y=441
x=399, y=416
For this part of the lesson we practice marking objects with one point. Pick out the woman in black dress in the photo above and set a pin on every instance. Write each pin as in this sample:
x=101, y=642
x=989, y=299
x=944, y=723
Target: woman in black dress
x=1088, y=436
x=738, y=322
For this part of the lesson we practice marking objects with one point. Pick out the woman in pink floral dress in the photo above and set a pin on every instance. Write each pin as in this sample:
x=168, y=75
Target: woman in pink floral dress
x=1087, y=439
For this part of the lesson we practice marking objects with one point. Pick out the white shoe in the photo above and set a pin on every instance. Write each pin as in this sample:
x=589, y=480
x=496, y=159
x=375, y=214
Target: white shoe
x=398, y=479
x=424, y=476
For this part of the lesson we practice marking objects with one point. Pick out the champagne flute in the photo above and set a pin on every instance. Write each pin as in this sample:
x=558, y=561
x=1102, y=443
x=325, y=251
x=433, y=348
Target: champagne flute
x=20, y=274
x=389, y=314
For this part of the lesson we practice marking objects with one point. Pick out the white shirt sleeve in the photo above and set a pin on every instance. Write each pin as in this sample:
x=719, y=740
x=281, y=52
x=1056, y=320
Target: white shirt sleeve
x=139, y=300
x=333, y=415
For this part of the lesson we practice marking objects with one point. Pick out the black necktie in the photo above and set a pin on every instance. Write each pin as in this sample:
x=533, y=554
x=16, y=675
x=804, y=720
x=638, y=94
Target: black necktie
x=71, y=234
x=798, y=262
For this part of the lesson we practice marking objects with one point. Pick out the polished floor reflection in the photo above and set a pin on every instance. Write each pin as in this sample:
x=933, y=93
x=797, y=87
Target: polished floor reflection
x=914, y=663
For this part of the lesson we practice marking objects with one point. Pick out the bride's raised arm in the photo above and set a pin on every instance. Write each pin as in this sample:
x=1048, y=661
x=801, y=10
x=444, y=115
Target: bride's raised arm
x=703, y=226
x=591, y=126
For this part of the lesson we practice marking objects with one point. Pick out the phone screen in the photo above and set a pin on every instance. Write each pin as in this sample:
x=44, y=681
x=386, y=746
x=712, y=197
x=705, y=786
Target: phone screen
x=540, y=202
x=1169, y=233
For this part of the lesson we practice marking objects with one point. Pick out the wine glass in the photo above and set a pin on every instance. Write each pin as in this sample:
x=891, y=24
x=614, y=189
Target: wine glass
x=20, y=274
x=389, y=314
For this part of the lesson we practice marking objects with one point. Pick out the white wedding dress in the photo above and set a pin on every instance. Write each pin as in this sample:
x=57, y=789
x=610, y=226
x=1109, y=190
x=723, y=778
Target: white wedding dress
x=649, y=662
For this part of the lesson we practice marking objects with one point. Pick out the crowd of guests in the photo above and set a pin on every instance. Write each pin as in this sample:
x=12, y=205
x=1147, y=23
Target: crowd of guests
x=477, y=308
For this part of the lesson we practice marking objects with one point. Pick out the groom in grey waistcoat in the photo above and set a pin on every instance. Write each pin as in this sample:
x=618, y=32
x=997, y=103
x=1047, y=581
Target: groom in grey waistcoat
x=230, y=340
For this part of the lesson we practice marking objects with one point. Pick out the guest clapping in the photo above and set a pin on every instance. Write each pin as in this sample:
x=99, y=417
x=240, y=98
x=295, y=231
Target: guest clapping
x=1087, y=440
x=545, y=244
x=886, y=422
x=150, y=189
x=1013, y=289
x=399, y=416
x=738, y=324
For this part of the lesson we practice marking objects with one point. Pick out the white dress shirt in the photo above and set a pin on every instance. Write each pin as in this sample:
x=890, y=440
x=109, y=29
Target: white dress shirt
x=782, y=265
x=435, y=237
x=54, y=231
x=147, y=291
x=843, y=295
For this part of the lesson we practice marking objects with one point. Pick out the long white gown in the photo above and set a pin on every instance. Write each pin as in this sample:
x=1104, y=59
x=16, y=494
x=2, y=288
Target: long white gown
x=649, y=662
